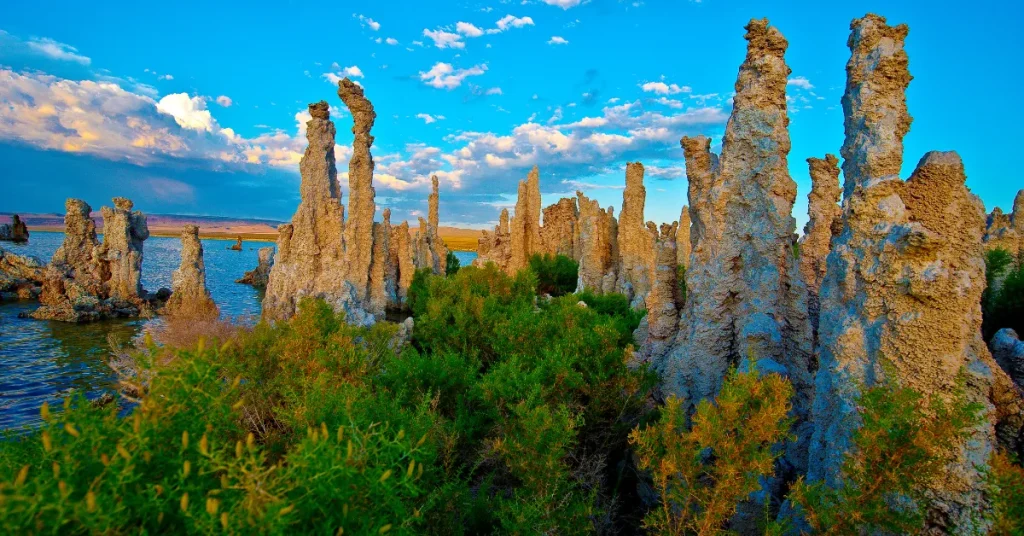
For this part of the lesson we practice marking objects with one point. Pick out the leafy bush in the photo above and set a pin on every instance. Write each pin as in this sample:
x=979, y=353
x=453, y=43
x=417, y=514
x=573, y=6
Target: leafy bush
x=1006, y=483
x=903, y=444
x=1002, y=308
x=703, y=471
x=556, y=274
x=452, y=263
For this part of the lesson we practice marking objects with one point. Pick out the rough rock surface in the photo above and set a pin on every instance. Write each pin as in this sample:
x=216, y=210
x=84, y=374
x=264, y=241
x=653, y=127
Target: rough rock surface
x=558, y=231
x=824, y=219
x=662, y=320
x=683, y=247
x=21, y=276
x=359, y=228
x=1008, y=351
x=634, y=240
x=745, y=302
x=595, y=240
x=189, y=296
x=310, y=259
x=405, y=269
x=907, y=265
x=378, y=298
x=16, y=231
x=525, y=225
x=124, y=231
x=431, y=251
x=88, y=281
x=495, y=247
x=259, y=276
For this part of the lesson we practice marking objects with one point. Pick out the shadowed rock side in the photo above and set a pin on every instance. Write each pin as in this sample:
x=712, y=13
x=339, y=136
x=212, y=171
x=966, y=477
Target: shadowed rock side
x=824, y=219
x=557, y=234
x=525, y=224
x=259, y=276
x=401, y=264
x=595, y=239
x=87, y=280
x=21, y=276
x=908, y=265
x=635, y=241
x=745, y=303
x=378, y=299
x=359, y=228
x=189, y=296
x=431, y=251
x=683, y=247
x=1008, y=351
x=657, y=330
x=311, y=259
x=16, y=231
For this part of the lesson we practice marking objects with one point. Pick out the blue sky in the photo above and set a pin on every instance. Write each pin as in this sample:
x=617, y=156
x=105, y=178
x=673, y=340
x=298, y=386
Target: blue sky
x=194, y=109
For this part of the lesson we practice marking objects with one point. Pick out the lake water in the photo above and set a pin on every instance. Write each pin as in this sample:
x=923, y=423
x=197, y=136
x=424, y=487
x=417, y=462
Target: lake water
x=43, y=360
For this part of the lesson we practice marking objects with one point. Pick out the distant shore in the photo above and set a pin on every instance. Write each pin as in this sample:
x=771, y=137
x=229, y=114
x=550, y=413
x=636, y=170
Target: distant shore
x=456, y=239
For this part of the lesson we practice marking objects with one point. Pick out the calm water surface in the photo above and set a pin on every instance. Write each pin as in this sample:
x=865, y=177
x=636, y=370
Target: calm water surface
x=44, y=361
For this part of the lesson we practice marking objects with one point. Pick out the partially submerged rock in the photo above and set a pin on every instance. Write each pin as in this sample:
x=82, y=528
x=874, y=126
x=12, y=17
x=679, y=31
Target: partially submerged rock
x=21, y=276
x=16, y=231
x=189, y=296
x=259, y=276
x=120, y=253
x=237, y=246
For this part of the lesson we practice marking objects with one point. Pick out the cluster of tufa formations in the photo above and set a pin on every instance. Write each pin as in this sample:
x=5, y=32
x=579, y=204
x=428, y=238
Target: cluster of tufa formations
x=884, y=285
x=359, y=266
x=16, y=231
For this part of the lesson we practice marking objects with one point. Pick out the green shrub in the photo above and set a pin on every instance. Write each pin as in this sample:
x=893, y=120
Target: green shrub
x=703, y=470
x=556, y=274
x=452, y=263
x=1006, y=486
x=1003, y=308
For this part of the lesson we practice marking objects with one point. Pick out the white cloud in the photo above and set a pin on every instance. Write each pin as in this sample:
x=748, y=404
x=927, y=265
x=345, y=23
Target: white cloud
x=391, y=41
x=662, y=88
x=428, y=119
x=556, y=40
x=352, y=71
x=800, y=82
x=443, y=39
x=224, y=101
x=671, y=103
x=494, y=91
x=166, y=77
x=468, y=29
x=188, y=112
x=444, y=76
x=58, y=51
x=367, y=21
x=511, y=21
x=564, y=4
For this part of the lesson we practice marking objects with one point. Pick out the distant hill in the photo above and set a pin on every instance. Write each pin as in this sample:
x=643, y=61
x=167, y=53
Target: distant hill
x=223, y=227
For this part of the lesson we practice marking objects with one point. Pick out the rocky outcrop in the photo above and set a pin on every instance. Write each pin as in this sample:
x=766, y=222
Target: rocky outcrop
x=683, y=238
x=634, y=240
x=901, y=298
x=359, y=227
x=21, y=276
x=189, y=296
x=525, y=225
x=823, y=221
x=16, y=231
x=259, y=276
x=431, y=251
x=745, y=304
x=311, y=258
x=595, y=240
x=88, y=281
x=120, y=253
x=1006, y=231
x=558, y=231
x=378, y=298
x=401, y=264
x=659, y=327
x=496, y=247
x=1008, y=351
x=237, y=246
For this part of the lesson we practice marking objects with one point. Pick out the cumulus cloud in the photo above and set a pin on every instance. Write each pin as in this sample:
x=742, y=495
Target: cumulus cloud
x=57, y=50
x=800, y=82
x=443, y=39
x=428, y=119
x=367, y=21
x=444, y=76
x=468, y=29
x=352, y=71
x=224, y=101
x=494, y=91
x=556, y=40
x=391, y=41
x=188, y=112
x=510, y=21
x=662, y=88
